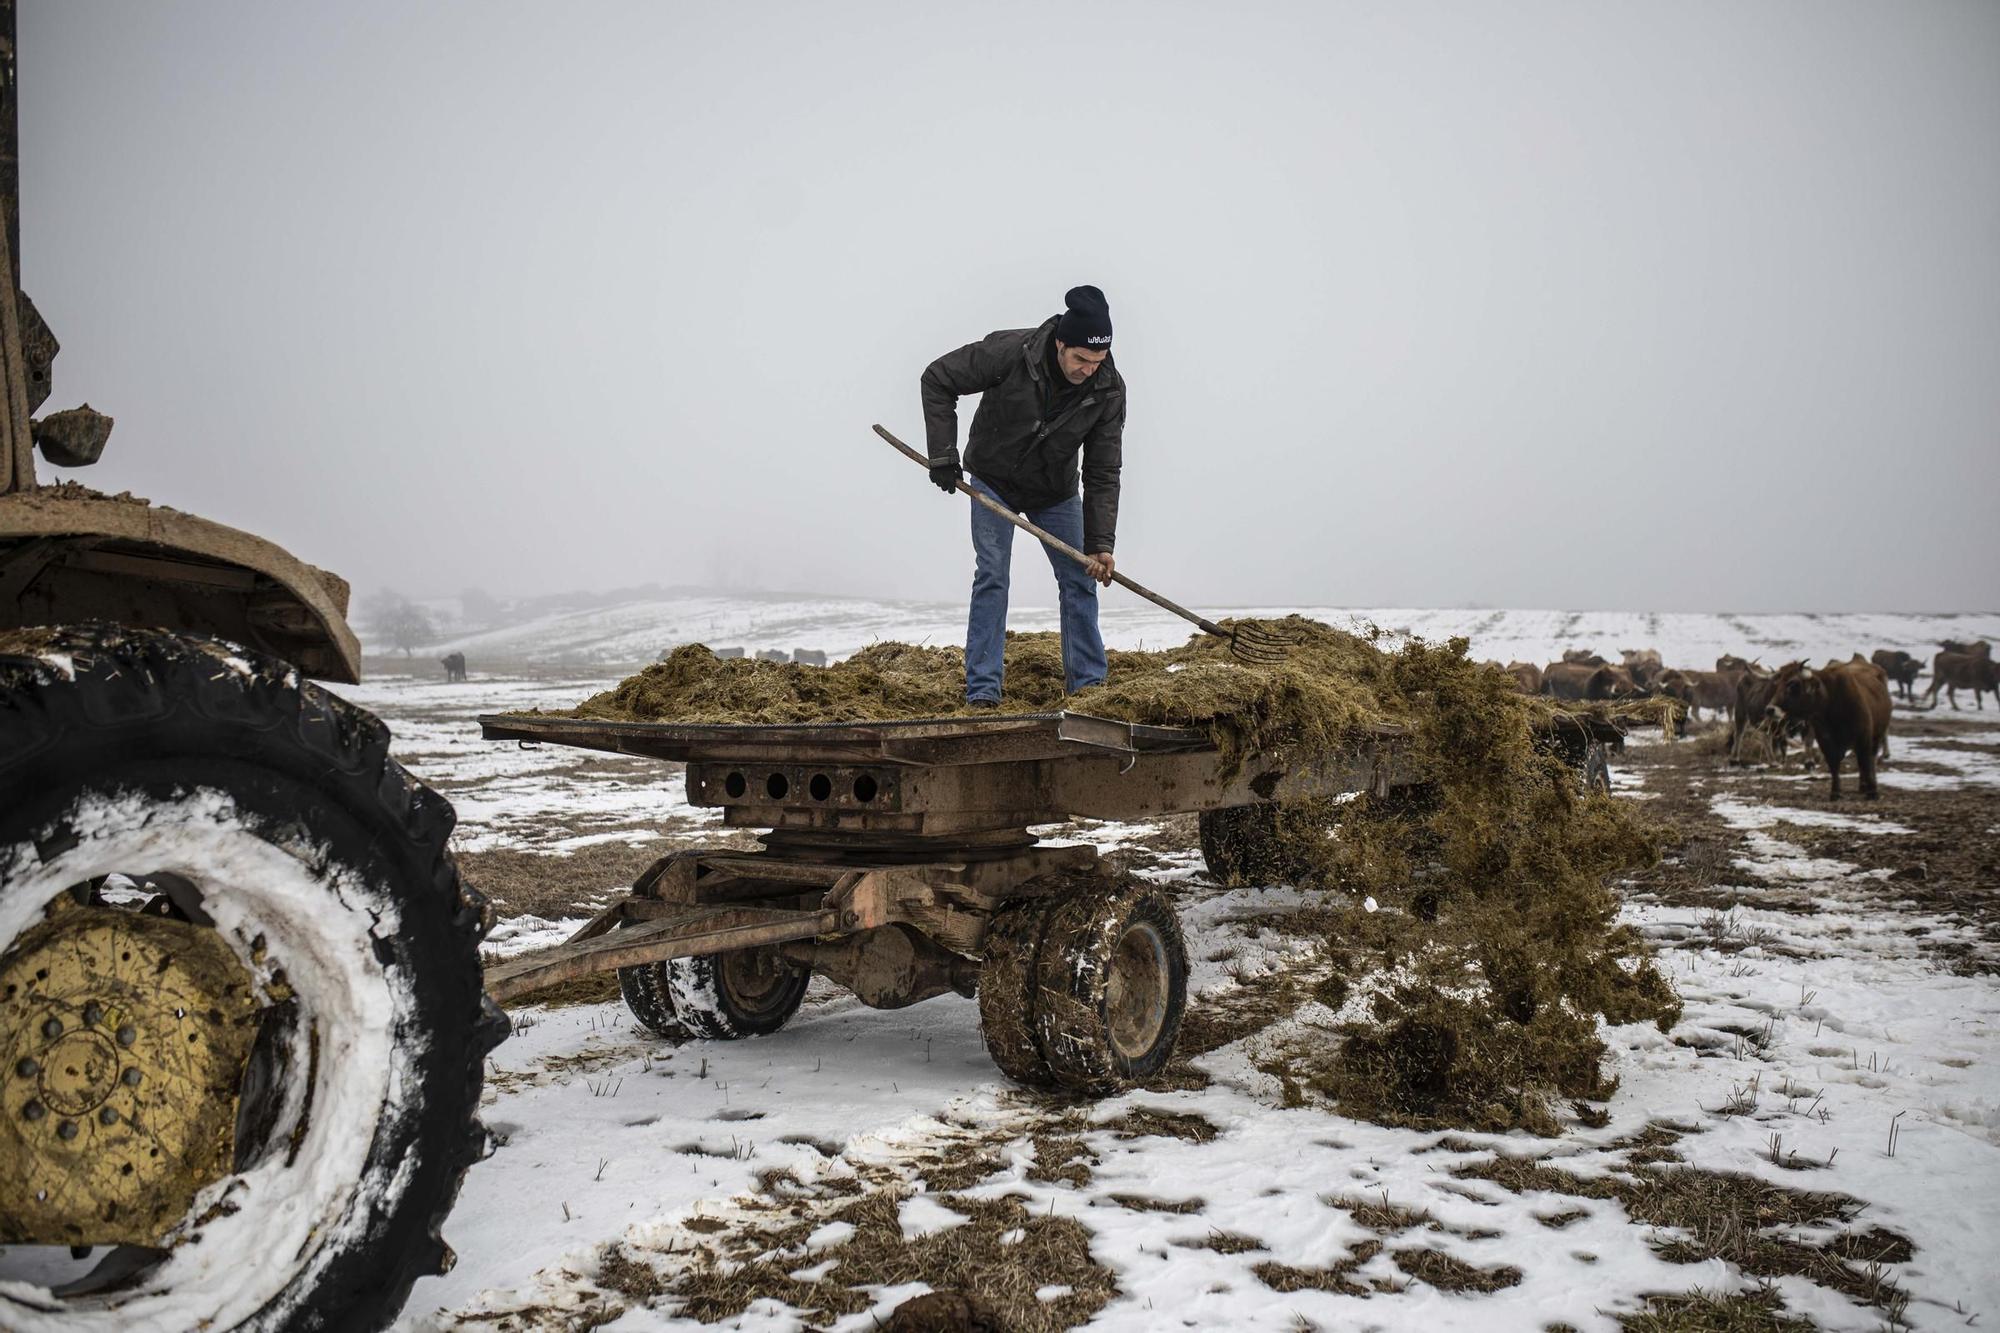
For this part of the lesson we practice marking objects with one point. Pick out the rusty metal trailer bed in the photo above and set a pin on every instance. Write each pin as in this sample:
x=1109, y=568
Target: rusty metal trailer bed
x=897, y=860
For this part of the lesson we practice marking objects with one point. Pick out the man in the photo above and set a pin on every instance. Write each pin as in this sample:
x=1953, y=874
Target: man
x=1048, y=395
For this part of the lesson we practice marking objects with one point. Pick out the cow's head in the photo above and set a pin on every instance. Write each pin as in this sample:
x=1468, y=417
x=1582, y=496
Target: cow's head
x=1799, y=691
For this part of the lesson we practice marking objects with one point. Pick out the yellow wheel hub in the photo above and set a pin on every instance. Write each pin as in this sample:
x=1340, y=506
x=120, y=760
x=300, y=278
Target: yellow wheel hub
x=123, y=1040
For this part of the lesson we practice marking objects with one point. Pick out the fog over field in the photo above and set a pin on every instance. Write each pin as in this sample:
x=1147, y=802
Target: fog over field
x=1540, y=305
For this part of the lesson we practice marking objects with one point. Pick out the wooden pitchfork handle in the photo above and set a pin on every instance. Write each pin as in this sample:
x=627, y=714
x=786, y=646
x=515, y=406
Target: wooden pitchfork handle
x=1056, y=543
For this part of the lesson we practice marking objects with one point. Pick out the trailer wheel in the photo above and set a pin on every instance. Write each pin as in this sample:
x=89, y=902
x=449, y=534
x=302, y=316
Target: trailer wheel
x=644, y=989
x=1006, y=992
x=239, y=989
x=742, y=993
x=1111, y=985
x=1241, y=844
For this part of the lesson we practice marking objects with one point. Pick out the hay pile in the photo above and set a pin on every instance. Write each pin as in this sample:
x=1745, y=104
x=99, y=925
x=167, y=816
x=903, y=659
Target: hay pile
x=1472, y=998
x=1308, y=703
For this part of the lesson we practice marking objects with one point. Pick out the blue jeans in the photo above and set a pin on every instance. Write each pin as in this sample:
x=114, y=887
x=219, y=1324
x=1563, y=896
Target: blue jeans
x=986, y=629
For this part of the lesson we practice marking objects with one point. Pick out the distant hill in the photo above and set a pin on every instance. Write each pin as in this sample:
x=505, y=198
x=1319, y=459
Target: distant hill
x=639, y=625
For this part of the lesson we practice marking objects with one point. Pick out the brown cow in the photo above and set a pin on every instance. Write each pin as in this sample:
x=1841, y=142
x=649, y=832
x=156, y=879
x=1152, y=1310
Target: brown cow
x=1977, y=648
x=1847, y=706
x=1901, y=668
x=1755, y=712
x=1611, y=682
x=1731, y=662
x=1675, y=684
x=1644, y=664
x=1952, y=672
x=1713, y=690
x=1567, y=680
x=1527, y=675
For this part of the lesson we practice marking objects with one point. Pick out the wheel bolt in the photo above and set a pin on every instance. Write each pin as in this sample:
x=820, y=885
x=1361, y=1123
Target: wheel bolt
x=127, y=1035
x=66, y=1130
x=52, y=1029
x=27, y=1068
x=92, y=1013
x=130, y=1078
x=34, y=1111
x=107, y=1116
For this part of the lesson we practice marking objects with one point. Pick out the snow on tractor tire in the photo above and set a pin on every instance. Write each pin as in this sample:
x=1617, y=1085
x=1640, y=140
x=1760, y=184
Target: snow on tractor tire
x=241, y=1023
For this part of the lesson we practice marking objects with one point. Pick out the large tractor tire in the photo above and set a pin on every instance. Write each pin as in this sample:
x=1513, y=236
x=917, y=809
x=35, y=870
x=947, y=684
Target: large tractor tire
x=241, y=1021
x=718, y=997
x=1085, y=992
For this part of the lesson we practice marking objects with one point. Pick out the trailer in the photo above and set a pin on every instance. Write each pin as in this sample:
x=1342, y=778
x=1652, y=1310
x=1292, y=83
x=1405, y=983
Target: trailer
x=898, y=860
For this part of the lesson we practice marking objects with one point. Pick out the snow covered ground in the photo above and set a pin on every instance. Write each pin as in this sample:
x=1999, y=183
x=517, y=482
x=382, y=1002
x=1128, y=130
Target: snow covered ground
x=639, y=631
x=1834, y=1084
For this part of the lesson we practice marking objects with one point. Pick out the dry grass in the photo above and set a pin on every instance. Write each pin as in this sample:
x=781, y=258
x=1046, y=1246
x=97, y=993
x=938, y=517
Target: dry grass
x=544, y=884
x=1146, y=1203
x=1338, y=1277
x=995, y=1261
x=1738, y=1218
x=1222, y=1242
x=1759, y=1311
x=1378, y=1214
x=1144, y=1121
x=1448, y=1273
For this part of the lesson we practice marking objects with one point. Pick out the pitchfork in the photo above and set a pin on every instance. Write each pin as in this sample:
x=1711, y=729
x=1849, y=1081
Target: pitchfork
x=1250, y=643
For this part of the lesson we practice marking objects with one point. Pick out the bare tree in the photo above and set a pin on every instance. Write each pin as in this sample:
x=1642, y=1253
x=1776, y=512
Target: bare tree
x=400, y=621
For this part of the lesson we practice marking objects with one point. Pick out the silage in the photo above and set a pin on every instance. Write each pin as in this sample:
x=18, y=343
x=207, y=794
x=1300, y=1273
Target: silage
x=1472, y=998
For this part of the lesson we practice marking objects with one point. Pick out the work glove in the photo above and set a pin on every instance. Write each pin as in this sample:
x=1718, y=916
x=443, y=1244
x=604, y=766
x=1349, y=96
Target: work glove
x=946, y=476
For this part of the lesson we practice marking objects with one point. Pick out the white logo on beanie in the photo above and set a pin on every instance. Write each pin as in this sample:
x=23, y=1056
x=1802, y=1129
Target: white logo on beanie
x=1100, y=338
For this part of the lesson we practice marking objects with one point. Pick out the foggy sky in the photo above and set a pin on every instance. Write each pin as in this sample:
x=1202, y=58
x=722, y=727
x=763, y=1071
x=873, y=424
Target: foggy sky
x=1652, y=306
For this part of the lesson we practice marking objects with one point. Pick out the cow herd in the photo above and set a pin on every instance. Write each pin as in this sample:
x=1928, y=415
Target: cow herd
x=1844, y=707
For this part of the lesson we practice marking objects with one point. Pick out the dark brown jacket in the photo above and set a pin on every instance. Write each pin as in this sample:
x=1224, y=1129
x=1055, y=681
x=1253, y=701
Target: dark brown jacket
x=1029, y=460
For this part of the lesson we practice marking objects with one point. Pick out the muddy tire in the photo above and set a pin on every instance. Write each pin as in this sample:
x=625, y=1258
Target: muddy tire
x=1110, y=986
x=644, y=989
x=1006, y=991
x=277, y=829
x=1242, y=844
x=1085, y=991
x=724, y=996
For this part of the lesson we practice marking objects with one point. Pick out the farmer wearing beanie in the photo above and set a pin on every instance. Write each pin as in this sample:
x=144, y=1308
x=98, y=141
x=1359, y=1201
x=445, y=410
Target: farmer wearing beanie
x=1049, y=395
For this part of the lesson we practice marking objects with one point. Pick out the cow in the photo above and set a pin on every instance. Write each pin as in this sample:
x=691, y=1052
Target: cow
x=1713, y=690
x=454, y=666
x=1976, y=648
x=1644, y=664
x=1611, y=682
x=1847, y=707
x=1753, y=712
x=1952, y=672
x=1583, y=657
x=1675, y=684
x=809, y=656
x=1901, y=668
x=1567, y=680
x=1730, y=662
x=1527, y=676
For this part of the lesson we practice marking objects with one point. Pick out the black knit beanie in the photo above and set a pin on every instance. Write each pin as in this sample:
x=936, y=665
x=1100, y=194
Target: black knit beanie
x=1087, y=321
